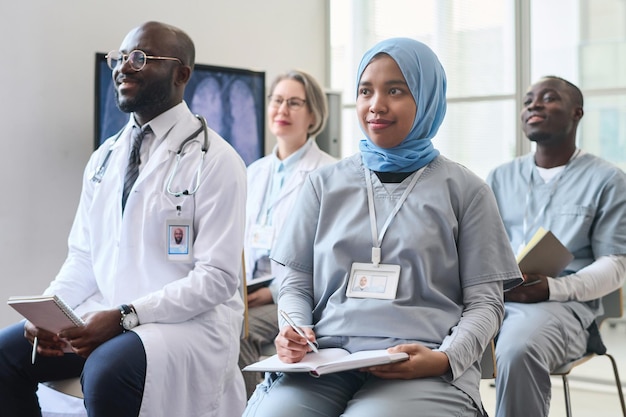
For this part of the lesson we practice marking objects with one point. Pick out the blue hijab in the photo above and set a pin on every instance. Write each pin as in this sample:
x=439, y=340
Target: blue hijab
x=427, y=82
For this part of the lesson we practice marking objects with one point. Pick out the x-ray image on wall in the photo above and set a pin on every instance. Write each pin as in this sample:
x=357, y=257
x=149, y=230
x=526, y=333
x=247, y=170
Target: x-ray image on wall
x=231, y=99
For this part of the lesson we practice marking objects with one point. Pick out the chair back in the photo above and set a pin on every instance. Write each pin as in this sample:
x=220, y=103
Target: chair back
x=244, y=296
x=613, y=306
x=488, y=362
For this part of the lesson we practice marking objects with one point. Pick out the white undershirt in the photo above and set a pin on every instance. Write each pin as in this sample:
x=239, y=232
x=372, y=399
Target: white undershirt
x=603, y=276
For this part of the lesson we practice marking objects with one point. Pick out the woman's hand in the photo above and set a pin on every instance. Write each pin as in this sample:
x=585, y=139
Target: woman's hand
x=260, y=297
x=290, y=346
x=422, y=362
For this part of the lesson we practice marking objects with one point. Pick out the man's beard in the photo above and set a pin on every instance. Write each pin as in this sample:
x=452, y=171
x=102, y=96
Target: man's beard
x=153, y=97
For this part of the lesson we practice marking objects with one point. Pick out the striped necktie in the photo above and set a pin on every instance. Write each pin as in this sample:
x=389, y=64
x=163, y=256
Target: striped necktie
x=132, y=171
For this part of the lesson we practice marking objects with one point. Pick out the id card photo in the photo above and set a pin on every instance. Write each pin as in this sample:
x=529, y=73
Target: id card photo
x=369, y=281
x=179, y=246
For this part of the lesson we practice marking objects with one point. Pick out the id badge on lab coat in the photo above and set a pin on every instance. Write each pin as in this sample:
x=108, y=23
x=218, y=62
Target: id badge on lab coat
x=373, y=281
x=179, y=240
x=261, y=236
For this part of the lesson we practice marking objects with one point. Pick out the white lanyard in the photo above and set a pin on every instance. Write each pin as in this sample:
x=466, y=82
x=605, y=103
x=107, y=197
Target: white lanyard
x=267, y=205
x=539, y=215
x=378, y=240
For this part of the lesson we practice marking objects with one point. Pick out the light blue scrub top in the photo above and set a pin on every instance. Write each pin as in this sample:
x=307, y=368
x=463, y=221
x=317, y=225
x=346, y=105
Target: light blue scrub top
x=586, y=210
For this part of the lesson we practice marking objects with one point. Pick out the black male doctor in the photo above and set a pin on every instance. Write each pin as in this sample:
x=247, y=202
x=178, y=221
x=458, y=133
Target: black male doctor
x=162, y=328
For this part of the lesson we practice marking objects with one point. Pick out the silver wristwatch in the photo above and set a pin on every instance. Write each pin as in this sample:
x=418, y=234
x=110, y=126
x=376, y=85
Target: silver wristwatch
x=129, y=318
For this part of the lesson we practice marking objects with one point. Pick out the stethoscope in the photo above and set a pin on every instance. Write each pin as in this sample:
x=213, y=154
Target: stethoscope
x=99, y=173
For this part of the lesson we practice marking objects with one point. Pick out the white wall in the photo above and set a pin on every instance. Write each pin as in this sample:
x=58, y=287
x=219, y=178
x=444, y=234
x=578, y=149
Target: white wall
x=47, y=100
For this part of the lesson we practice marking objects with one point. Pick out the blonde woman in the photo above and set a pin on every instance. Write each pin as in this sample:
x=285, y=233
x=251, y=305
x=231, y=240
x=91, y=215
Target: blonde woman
x=296, y=112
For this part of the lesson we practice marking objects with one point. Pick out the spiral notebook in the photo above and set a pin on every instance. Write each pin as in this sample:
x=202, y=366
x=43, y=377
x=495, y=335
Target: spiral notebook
x=48, y=312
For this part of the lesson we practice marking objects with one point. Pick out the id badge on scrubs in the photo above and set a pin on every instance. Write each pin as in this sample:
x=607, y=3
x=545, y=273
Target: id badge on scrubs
x=179, y=238
x=261, y=236
x=373, y=281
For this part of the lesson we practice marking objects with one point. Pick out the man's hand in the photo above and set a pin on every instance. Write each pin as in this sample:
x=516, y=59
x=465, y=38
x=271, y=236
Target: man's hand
x=533, y=290
x=423, y=362
x=48, y=344
x=99, y=327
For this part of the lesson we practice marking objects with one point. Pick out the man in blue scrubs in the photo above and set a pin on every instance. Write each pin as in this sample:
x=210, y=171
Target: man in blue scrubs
x=580, y=198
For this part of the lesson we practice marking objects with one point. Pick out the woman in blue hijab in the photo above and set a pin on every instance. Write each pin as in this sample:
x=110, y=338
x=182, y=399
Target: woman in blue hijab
x=426, y=81
x=422, y=231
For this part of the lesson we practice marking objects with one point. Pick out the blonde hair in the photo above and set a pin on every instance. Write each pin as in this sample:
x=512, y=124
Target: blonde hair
x=316, y=100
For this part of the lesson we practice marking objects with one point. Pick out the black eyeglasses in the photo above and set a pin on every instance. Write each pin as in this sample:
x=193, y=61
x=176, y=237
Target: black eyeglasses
x=137, y=59
x=293, y=103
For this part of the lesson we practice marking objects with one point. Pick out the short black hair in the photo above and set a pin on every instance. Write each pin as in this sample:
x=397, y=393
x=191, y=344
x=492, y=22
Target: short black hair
x=183, y=48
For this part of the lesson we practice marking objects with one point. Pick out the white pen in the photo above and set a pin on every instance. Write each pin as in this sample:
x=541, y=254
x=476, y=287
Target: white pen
x=528, y=284
x=297, y=329
x=34, y=354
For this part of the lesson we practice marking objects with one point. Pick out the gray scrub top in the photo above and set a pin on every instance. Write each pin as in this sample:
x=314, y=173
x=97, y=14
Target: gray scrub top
x=446, y=237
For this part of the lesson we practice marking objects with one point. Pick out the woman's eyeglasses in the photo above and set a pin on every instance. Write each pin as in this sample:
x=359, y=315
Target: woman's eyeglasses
x=293, y=103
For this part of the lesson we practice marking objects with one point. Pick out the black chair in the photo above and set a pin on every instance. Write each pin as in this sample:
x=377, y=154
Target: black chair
x=613, y=308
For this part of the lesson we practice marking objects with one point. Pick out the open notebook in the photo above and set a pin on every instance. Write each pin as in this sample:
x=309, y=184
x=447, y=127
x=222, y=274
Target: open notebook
x=328, y=360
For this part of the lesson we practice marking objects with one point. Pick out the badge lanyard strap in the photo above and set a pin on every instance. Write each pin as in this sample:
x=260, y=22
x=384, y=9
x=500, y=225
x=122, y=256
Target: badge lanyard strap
x=545, y=206
x=376, y=240
x=267, y=206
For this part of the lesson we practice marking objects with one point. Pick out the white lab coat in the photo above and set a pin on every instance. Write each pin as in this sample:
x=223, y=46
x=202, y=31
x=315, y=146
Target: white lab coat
x=259, y=177
x=190, y=313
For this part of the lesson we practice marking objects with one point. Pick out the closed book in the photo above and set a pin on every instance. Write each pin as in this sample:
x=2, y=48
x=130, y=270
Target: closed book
x=544, y=254
x=329, y=360
x=48, y=312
